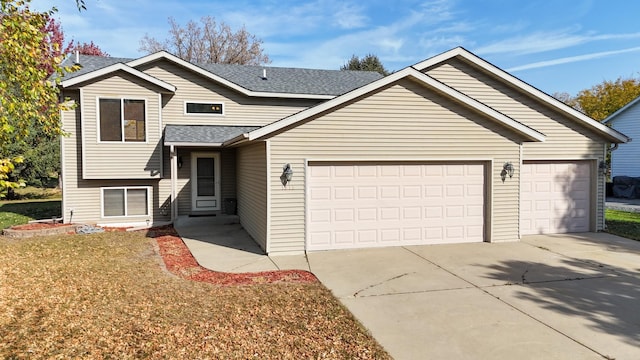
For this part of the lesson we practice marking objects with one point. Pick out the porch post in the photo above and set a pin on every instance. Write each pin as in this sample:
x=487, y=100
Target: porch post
x=174, y=178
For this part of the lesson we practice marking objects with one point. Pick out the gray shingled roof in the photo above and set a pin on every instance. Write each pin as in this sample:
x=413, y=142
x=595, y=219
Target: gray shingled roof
x=293, y=80
x=278, y=80
x=202, y=134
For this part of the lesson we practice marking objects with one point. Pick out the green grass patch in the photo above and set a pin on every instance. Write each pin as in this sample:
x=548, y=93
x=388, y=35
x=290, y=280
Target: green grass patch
x=21, y=212
x=623, y=223
x=30, y=193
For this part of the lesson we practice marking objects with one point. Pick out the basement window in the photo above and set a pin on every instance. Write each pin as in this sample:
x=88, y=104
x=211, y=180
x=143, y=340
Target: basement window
x=203, y=108
x=125, y=201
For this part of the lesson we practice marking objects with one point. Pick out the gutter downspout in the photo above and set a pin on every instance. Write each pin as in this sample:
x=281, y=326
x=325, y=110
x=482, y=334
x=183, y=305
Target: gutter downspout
x=174, y=175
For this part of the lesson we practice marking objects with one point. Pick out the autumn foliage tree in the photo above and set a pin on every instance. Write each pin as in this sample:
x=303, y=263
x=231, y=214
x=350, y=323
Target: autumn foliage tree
x=603, y=99
x=27, y=99
x=89, y=49
x=208, y=42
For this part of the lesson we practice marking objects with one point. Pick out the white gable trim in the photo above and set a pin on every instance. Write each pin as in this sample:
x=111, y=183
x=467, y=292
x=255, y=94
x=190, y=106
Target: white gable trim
x=207, y=74
x=613, y=116
x=559, y=105
x=519, y=128
x=117, y=67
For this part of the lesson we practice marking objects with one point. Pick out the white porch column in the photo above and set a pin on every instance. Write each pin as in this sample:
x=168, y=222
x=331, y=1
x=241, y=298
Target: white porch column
x=174, y=180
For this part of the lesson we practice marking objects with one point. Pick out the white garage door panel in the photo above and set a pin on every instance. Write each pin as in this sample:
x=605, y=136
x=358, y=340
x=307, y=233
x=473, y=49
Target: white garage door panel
x=555, y=197
x=353, y=206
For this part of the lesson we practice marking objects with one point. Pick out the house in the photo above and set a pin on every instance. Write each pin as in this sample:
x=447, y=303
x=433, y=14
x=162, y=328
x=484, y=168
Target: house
x=451, y=149
x=624, y=159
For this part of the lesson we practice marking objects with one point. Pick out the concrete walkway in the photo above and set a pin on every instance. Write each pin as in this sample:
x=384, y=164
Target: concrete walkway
x=632, y=205
x=546, y=297
x=220, y=243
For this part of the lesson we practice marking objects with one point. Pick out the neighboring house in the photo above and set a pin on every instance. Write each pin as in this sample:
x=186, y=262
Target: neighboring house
x=452, y=149
x=624, y=159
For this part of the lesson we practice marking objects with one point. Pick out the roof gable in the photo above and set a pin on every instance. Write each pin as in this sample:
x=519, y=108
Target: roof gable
x=410, y=72
x=611, y=118
x=495, y=71
x=88, y=76
x=250, y=80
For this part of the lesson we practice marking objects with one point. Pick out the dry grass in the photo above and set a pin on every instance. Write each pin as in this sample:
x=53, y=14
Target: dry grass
x=107, y=296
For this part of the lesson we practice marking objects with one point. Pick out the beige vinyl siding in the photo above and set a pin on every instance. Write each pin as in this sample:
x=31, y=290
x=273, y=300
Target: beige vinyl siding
x=83, y=196
x=239, y=109
x=121, y=160
x=404, y=122
x=565, y=138
x=252, y=191
x=227, y=177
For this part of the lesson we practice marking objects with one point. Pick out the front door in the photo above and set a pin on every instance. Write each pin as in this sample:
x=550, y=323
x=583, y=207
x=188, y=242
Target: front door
x=205, y=181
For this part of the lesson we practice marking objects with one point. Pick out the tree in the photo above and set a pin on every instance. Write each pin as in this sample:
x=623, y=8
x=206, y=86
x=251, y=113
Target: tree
x=89, y=49
x=27, y=99
x=566, y=98
x=603, y=99
x=40, y=151
x=53, y=43
x=368, y=63
x=209, y=42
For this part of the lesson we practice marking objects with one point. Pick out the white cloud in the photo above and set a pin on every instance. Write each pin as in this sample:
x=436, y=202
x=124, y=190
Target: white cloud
x=546, y=41
x=350, y=16
x=572, y=59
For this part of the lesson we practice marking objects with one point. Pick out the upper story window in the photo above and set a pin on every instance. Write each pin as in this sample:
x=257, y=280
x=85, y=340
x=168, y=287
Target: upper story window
x=203, y=108
x=122, y=120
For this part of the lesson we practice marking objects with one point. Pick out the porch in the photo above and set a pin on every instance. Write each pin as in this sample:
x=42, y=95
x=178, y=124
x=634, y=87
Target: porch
x=220, y=243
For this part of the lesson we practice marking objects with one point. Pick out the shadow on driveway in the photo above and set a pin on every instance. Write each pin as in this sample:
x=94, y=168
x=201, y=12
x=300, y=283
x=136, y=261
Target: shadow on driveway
x=604, y=304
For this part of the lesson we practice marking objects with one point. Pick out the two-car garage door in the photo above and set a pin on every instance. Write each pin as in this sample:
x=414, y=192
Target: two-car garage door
x=355, y=205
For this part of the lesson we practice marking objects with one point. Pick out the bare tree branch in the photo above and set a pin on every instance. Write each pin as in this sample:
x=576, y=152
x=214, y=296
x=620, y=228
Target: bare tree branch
x=209, y=42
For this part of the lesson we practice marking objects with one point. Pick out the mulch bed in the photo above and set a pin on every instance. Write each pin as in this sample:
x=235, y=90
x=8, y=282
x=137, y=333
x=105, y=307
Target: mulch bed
x=38, y=226
x=179, y=261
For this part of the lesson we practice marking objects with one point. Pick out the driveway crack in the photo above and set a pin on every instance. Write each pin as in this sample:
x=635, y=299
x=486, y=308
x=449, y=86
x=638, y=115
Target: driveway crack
x=524, y=275
x=380, y=283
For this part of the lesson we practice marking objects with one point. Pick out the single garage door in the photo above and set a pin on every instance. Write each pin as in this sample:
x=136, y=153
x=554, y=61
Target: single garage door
x=357, y=205
x=555, y=197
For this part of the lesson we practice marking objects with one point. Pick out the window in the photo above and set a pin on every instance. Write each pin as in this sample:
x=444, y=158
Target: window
x=203, y=108
x=126, y=201
x=122, y=120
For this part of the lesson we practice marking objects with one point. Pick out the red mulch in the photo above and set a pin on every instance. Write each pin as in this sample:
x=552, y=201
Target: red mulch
x=179, y=261
x=38, y=226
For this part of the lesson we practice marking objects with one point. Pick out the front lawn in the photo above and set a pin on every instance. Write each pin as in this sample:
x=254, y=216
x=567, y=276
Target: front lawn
x=107, y=295
x=623, y=223
x=22, y=211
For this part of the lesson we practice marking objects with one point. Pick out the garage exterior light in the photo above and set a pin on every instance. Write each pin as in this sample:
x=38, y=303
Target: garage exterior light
x=287, y=174
x=507, y=169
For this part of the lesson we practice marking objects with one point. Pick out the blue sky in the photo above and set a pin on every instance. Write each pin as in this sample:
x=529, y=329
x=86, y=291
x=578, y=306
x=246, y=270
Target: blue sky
x=557, y=46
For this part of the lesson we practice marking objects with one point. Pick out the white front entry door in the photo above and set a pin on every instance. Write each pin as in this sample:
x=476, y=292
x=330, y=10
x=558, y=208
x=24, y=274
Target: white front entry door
x=205, y=181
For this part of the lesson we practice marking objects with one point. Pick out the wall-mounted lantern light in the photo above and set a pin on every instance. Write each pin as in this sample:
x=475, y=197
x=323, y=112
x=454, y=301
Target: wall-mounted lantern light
x=179, y=162
x=507, y=169
x=603, y=167
x=287, y=174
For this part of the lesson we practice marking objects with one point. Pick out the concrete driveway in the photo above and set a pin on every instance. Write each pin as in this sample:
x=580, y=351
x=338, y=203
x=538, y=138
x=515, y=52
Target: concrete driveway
x=546, y=297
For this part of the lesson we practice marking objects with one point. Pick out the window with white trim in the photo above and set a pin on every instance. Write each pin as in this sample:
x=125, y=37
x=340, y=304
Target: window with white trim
x=203, y=108
x=122, y=120
x=125, y=201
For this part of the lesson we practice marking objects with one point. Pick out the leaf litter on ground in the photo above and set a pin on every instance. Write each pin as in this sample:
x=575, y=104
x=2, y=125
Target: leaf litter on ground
x=109, y=295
